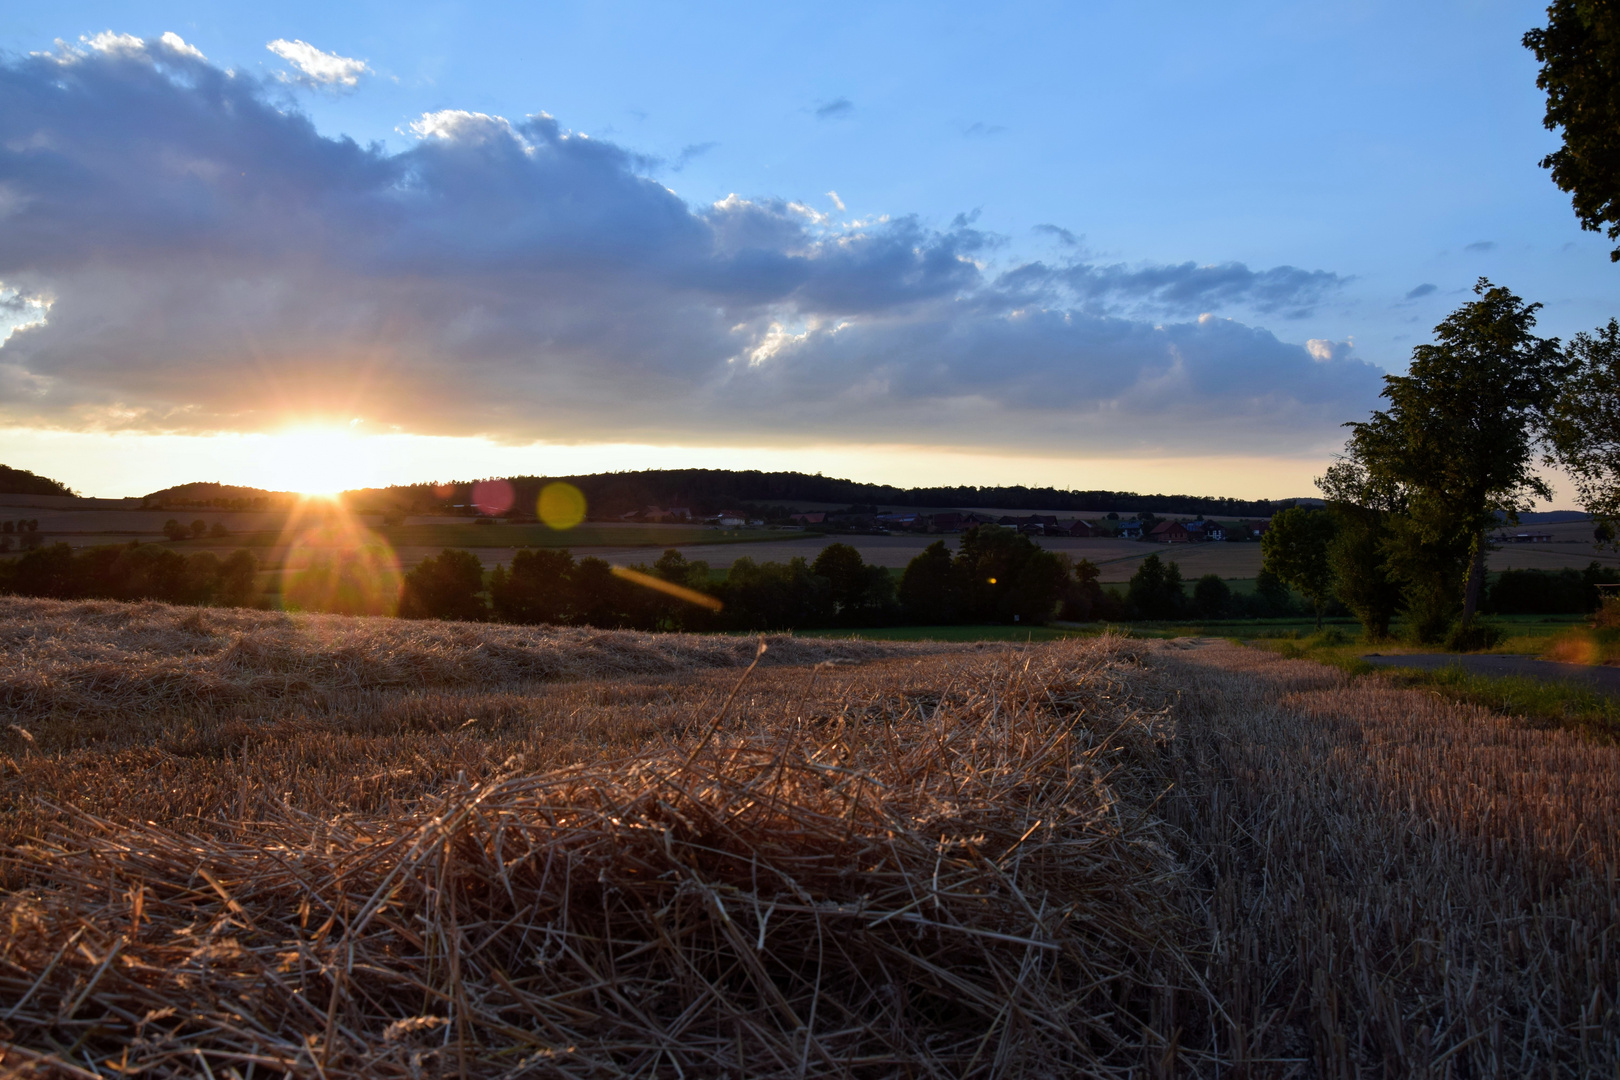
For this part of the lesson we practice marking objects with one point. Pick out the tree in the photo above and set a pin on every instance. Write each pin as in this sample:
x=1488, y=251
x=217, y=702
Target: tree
x=1155, y=590
x=447, y=586
x=1582, y=426
x=1295, y=548
x=1006, y=577
x=199, y=528
x=1083, y=599
x=1456, y=441
x=1211, y=597
x=1579, y=51
x=539, y=587
x=930, y=593
x=861, y=594
x=1357, y=556
x=236, y=586
x=174, y=530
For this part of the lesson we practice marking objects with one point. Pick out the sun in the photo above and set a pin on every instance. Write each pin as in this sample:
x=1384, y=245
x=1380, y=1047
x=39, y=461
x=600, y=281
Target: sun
x=318, y=461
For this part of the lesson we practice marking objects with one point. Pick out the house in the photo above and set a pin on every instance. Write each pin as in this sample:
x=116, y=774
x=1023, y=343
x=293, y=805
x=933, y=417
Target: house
x=1129, y=530
x=1082, y=528
x=1201, y=531
x=1033, y=525
x=1170, y=532
x=817, y=518
x=945, y=523
x=901, y=521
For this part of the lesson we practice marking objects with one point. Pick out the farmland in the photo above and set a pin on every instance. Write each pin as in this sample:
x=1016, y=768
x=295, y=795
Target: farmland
x=273, y=535
x=339, y=847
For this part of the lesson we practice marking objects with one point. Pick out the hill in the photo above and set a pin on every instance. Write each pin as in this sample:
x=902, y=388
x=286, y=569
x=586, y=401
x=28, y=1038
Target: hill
x=708, y=491
x=23, y=482
x=205, y=493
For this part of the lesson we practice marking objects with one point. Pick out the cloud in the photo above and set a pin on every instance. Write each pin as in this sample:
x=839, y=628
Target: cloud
x=1481, y=245
x=1178, y=290
x=1061, y=235
x=319, y=68
x=1421, y=291
x=979, y=129
x=836, y=109
x=199, y=258
x=836, y=201
x=691, y=153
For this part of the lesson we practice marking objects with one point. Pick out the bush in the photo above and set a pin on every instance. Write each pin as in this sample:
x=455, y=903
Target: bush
x=1472, y=637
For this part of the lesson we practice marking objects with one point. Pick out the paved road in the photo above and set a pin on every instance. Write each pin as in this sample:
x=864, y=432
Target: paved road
x=1598, y=677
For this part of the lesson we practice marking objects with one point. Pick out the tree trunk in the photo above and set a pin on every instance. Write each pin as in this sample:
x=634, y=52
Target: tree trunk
x=1476, y=579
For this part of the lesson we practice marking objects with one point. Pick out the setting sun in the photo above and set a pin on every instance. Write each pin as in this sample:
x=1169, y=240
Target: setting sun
x=314, y=461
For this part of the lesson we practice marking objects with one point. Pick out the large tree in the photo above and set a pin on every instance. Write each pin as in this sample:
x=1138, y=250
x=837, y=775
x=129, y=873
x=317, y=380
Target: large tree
x=1582, y=425
x=1579, y=50
x=1364, y=513
x=1457, y=440
x=1295, y=548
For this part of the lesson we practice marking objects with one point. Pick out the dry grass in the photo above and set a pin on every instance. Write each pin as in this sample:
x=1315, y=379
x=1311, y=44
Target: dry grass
x=1102, y=857
x=1395, y=883
x=946, y=865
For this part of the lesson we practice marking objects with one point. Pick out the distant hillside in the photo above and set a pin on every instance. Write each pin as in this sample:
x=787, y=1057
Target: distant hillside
x=23, y=482
x=209, y=495
x=707, y=491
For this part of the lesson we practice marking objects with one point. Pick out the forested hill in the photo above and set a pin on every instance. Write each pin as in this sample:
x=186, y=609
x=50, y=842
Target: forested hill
x=23, y=482
x=707, y=491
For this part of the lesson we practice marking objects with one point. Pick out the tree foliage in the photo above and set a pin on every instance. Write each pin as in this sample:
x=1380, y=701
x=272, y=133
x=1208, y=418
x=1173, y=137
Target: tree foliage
x=1295, y=548
x=1582, y=425
x=449, y=585
x=1156, y=590
x=1457, y=442
x=1579, y=51
x=1358, y=555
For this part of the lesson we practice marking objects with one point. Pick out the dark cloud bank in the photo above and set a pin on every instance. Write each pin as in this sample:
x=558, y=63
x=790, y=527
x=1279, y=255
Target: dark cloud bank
x=212, y=262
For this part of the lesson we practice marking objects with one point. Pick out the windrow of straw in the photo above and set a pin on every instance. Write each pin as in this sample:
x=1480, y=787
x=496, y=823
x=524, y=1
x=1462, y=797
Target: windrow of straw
x=1393, y=883
x=972, y=885
x=102, y=658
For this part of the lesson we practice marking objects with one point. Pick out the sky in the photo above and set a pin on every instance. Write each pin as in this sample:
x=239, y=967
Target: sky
x=1166, y=247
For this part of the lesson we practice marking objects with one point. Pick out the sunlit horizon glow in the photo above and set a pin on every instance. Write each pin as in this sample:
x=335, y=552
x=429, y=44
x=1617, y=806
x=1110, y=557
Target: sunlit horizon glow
x=323, y=460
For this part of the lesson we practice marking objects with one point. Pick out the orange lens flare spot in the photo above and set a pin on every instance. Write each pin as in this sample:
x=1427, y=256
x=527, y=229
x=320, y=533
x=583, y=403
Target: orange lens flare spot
x=561, y=506
x=992, y=581
x=680, y=592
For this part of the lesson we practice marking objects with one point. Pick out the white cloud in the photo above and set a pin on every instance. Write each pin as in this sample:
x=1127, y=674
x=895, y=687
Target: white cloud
x=833, y=195
x=178, y=44
x=320, y=68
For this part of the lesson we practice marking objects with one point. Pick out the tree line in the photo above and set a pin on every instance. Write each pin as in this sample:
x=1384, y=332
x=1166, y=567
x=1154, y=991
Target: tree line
x=709, y=491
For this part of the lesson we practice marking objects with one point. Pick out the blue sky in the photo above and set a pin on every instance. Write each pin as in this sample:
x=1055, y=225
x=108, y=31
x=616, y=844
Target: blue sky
x=1094, y=245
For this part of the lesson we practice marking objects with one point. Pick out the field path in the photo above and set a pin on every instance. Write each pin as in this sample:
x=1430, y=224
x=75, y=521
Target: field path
x=1597, y=676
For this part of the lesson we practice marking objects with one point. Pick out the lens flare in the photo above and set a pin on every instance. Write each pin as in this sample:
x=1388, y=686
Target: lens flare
x=493, y=497
x=680, y=592
x=332, y=563
x=561, y=506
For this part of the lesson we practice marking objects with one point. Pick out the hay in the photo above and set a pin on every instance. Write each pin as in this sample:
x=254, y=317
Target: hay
x=973, y=885
x=101, y=658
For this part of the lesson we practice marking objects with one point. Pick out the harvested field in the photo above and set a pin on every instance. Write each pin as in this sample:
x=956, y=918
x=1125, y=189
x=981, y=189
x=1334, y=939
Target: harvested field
x=482, y=851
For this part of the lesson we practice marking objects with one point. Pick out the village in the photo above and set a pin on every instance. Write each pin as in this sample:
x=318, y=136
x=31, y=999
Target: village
x=871, y=521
